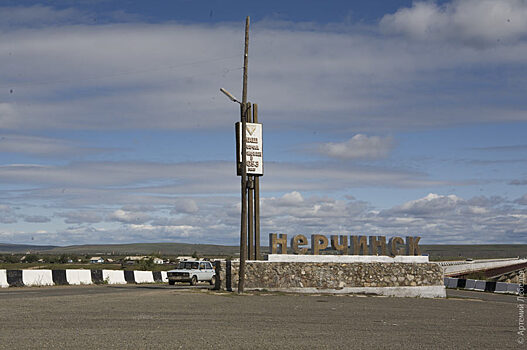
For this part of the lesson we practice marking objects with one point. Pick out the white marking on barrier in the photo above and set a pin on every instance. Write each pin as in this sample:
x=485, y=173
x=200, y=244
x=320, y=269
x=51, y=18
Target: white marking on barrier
x=164, y=276
x=144, y=277
x=78, y=277
x=37, y=277
x=3, y=279
x=113, y=276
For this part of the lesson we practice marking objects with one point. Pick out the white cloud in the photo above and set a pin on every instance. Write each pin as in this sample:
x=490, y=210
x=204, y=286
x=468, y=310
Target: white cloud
x=478, y=23
x=359, y=146
x=129, y=217
x=81, y=216
x=112, y=76
x=186, y=206
x=433, y=204
x=36, y=219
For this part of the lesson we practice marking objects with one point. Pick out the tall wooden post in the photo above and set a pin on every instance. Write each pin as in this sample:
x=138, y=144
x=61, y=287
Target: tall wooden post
x=244, y=107
x=256, y=201
x=250, y=199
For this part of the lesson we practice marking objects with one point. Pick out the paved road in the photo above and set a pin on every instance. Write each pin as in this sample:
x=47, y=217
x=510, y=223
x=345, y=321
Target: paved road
x=164, y=317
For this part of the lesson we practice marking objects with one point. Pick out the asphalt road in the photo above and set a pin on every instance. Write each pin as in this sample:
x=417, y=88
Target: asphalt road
x=167, y=317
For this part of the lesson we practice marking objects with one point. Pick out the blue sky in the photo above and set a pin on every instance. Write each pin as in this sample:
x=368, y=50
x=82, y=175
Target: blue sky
x=380, y=118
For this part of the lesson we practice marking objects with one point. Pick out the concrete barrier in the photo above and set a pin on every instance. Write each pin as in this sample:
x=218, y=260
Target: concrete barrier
x=59, y=277
x=452, y=283
x=113, y=276
x=129, y=276
x=37, y=277
x=164, y=276
x=461, y=283
x=14, y=278
x=143, y=277
x=513, y=288
x=501, y=287
x=157, y=276
x=480, y=286
x=78, y=277
x=3, y=279
x=470, y=284
x=96, y=276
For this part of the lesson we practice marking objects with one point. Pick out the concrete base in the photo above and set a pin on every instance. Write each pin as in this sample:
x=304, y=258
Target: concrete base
x=412, y=292
x=411, y=259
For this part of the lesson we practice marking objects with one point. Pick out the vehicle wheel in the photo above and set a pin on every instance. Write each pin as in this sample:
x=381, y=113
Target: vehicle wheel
x=213, y=280
x=171, y=282
x=194, y=281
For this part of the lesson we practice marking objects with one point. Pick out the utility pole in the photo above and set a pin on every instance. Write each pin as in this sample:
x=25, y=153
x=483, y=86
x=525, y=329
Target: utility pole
x=244, y=112
x=256, y=184
x=249, y=172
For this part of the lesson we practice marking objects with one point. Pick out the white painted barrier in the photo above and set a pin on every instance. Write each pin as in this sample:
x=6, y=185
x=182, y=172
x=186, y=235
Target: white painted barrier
x=164, y=276
x=480, y=285
x=3, y=279
x=470, y=284
x=37, y=277
x=144, y=277
x=113, y=276
x=78, y=276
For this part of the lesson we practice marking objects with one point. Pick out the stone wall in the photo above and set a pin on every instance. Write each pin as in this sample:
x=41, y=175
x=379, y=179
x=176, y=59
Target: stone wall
x=358, y=277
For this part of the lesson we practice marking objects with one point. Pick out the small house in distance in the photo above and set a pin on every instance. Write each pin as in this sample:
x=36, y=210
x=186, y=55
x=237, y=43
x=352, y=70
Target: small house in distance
x=96, y=260
x=158, y=261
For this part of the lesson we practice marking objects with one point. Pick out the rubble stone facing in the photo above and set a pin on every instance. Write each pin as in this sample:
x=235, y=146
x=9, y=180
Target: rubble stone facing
x=262, y=275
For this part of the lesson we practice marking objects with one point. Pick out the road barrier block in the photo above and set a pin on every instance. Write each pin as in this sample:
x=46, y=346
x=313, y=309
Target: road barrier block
x=96, y=276
x=461, y=283
x=157, y=276
x=470, y=284
x=513, y=288
x=3, y=279
x=480, y=285
x=501, y=287
x=490, y=286
x=113, y=276
x=129, y=276
x=143, y=277
x=37, y=277
x=452, y=283
x=164, y=276
x=445, y=281
x=59, y=277
x=78, y=277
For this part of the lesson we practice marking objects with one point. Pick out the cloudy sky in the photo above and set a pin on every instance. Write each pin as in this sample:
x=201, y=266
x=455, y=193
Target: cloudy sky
x=379, y=117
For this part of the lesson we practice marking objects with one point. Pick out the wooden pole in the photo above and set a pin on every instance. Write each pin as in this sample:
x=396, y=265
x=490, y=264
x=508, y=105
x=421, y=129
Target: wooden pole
x=250, y=199
x=256, y=201
x=244, y=110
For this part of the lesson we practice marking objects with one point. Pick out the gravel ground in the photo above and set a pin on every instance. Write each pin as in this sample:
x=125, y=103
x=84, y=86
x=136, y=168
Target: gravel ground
x=162, y=317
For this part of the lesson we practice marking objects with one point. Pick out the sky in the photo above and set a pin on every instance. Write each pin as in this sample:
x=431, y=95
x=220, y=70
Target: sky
x=386, y=118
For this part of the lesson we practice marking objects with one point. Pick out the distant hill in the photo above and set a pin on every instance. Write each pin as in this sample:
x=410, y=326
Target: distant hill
x=22, y=248
x=436, y=251
x=126, y=249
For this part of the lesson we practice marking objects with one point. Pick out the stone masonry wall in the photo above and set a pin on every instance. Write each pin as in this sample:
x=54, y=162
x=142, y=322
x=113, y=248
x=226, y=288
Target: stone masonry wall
x=268, y=275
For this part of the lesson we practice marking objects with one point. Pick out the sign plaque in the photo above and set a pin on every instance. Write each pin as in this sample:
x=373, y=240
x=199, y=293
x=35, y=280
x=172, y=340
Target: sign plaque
x=253, y=141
